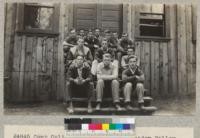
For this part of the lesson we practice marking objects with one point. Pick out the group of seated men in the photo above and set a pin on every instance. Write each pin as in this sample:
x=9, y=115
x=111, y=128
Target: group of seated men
x=104, y=59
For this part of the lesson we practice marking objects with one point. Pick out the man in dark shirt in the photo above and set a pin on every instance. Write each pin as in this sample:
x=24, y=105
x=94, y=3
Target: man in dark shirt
x=69, y=42
x=79, y=49
x=91, y=42
x=133, y=78
x=97, y=37
x=71, y=39
x=125, y=58
x=81, y=34
x=124, y=42
x=79, y=80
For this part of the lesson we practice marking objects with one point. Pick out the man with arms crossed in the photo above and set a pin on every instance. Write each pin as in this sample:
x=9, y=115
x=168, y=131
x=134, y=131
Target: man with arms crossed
x=79, y=80
x=133, y=78
x=107, y=74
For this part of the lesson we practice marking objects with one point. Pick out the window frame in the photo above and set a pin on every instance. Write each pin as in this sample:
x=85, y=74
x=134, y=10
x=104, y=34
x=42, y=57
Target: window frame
x=20, y=29
x=157, y=38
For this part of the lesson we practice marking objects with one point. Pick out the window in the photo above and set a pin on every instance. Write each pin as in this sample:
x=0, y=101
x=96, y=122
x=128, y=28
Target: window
x=39, y=18
x=151, y=21
x=152, y=24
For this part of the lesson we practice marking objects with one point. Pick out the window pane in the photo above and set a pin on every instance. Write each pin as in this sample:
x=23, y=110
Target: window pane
x=37, y=17
x=152, y=22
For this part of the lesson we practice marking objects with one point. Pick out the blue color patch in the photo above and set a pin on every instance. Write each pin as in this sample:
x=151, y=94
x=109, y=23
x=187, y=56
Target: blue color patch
x=119, y=126
x=126, y=126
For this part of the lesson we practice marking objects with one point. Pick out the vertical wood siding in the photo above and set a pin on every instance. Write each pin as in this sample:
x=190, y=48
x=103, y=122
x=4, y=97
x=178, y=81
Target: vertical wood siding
x=169, y=66
x=34, y=67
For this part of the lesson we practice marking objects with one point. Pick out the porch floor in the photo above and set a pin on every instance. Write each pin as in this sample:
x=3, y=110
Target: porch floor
x=166, y=106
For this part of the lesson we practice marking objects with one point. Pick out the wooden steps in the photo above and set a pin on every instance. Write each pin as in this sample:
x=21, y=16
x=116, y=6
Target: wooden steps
x=112, y=111
x=107, y=107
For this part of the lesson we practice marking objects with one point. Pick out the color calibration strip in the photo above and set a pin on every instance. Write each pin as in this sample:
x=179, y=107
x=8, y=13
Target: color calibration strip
x=99, y=126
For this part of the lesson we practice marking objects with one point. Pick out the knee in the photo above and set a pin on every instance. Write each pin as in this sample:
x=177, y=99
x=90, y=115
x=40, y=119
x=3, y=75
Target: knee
x=91, y=84
x=129, y=85
x=140, y=85
x=115, y=82
x=68, y=83
x=100, y=82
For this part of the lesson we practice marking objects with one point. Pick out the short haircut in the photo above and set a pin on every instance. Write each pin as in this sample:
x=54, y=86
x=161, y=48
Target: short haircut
x=80, y=38
x=131, y=47
x=133, y=56
x=106, y=55
x=107, y=31
x=72, y=30
x=81, y=30
x=104, y=40
x=97, y=29
x=124, y=34
x=79, y=56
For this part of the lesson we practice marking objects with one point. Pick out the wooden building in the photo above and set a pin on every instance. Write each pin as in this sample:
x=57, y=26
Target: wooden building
x=165, y=37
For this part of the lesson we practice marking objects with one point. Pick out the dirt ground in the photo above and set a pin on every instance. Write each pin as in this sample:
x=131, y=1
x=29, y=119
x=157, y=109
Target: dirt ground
x=166, y=106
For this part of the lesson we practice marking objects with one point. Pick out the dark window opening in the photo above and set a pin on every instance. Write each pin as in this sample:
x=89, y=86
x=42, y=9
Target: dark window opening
x=152, y=20
x=152, y=24
x=38, y=17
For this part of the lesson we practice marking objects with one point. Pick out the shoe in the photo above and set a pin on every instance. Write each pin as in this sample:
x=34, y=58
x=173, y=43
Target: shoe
x=98, y=107
x=70, y=110
x=117, y=106
x=89, y=110
x=141, y=105
x=128, y=107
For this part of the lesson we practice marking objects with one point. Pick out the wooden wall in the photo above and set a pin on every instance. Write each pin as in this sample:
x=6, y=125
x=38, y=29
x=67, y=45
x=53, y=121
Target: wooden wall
x=34, y=66
x=170, y=65
x=31, y=63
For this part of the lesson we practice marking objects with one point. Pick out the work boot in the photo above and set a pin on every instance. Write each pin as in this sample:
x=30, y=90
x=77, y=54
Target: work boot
x=118, y=107
x=98, y=107
x=71, y=108
x=129, y=107
x=141, y=105
x=90, y=108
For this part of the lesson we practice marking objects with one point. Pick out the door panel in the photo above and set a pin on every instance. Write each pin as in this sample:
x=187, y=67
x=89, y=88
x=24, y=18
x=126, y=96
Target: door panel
x=85, y=16
x=104, y=16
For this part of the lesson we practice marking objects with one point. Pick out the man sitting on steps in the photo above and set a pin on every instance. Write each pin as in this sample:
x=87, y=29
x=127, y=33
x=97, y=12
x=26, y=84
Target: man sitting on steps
x=79, y=80
x=133, y=78
x=107, y=74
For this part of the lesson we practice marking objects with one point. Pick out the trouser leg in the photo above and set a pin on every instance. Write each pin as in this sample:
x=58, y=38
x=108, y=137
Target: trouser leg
x=140, y=92
x=99, y=89
x=115, y=90
x=127, y=91
x=68, y=91
x=89, y=90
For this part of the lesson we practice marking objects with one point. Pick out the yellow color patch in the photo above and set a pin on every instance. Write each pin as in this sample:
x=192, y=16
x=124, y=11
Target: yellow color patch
x=105, y=126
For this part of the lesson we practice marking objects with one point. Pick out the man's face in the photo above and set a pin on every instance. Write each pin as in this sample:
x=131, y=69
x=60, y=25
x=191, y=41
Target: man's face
x=82, y=33
x=90, y=34
x=80, y=42
x=73, y=33
x=133, y=62
x=107, y=35
x=130, y=52
x=97, y=32
x=79, y=61
x=106, y=61
x=104, y=44
x=115, y=35
x=124, y=36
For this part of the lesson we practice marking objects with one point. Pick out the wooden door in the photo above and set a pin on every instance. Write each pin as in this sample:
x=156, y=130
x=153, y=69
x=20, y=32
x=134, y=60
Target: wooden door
x=104, y=16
